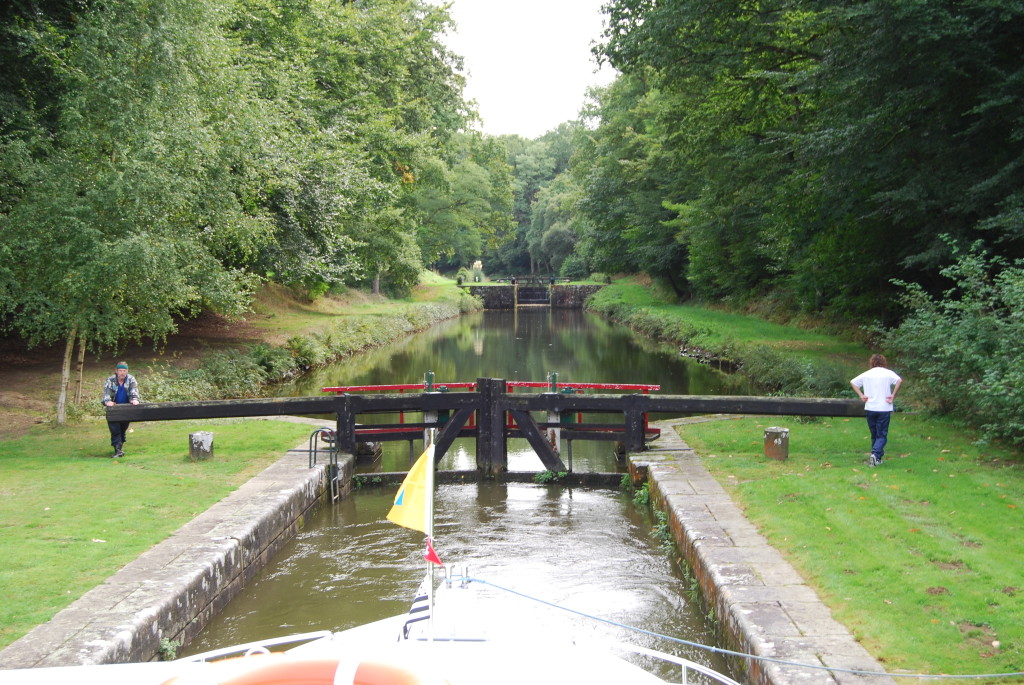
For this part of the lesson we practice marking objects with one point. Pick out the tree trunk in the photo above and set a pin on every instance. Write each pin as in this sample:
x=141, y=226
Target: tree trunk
x=81, y=368
x=65, y=378
x=376, y=283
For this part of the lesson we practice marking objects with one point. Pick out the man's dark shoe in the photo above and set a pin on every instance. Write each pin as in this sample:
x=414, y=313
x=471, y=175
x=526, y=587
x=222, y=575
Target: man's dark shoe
x=876, y=460
x=118, y=452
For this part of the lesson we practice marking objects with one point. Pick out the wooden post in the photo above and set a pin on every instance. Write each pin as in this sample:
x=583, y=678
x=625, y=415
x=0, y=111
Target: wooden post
x=634, y=441
x=491, y=449
x=346, y=425
x=538, y=441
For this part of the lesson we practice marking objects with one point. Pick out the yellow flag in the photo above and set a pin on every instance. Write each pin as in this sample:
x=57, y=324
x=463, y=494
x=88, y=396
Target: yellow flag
x=411, y=502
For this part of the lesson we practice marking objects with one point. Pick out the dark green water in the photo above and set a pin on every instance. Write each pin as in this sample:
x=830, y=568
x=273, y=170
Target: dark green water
x=590, y=550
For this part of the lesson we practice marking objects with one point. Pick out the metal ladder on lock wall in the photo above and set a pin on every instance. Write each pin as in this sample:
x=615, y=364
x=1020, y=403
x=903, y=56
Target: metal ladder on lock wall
x=329, y=440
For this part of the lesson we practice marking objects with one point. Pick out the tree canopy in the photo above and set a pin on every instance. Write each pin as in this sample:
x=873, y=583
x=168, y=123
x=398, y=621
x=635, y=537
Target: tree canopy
x=160, y=156
x=822, y=148
x=813, y=151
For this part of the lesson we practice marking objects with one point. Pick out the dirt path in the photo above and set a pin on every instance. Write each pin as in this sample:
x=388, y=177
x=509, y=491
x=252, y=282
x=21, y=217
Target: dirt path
x=30, y=378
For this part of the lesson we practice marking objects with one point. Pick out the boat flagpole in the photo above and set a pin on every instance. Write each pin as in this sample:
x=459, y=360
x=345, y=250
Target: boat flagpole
x=428, y=516
x=414, y=508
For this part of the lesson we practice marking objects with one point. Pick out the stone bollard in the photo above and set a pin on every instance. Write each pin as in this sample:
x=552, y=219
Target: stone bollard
x=200, y=446
x=776, y=443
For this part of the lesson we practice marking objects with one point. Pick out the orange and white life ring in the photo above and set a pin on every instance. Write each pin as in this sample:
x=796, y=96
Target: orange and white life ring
x=282, y=669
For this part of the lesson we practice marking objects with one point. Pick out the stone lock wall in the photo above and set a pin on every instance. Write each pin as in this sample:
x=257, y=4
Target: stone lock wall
x=572, y=296
x=762, y=606
x=495, y=296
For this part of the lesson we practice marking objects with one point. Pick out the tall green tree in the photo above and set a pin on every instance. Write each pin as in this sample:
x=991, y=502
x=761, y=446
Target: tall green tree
x=626, y=178
x=369, y=98
x=556, y=224
x=464, y=207
x=719, y=85
x=822, y=148
x=114, y=214
x=917, y=136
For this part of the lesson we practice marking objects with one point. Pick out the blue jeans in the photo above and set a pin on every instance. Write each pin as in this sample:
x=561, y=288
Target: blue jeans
x=878, y=424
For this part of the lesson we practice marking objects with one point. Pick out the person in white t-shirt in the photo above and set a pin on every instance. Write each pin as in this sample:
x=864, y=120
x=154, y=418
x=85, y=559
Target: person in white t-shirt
x=877, y=388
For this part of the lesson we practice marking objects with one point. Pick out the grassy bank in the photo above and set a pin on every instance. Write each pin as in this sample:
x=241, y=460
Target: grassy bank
x=919, y=558
x=782, y=359
x=70, y=516
x=245, y=370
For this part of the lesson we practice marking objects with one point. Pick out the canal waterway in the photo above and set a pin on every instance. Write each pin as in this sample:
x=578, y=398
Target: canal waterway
x=590, y=550
x=521, y=345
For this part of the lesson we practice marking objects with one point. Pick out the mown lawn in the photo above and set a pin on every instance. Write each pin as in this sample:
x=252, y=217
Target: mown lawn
x=70, y=516
x=920, y=557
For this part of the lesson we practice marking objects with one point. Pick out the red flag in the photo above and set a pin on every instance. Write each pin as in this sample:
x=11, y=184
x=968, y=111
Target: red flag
x=431, y=555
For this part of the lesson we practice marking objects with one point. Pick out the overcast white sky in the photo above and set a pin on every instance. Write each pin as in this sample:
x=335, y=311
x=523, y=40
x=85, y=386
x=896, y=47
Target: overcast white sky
x=528, y=62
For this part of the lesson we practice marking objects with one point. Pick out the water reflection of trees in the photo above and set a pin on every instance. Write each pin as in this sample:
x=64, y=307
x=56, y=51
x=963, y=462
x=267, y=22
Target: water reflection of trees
x=525, y=345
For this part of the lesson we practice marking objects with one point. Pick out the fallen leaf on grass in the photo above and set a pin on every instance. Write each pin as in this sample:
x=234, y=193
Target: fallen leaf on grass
x=98, y=540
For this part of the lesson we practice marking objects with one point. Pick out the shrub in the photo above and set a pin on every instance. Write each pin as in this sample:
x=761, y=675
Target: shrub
x=429, y=314
x=277, y=362
x=469, y=303
x=776, y=372
x=966, y=347
x=233, y=373
x=164, y=385
x=307, y=351
x=574, y=267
